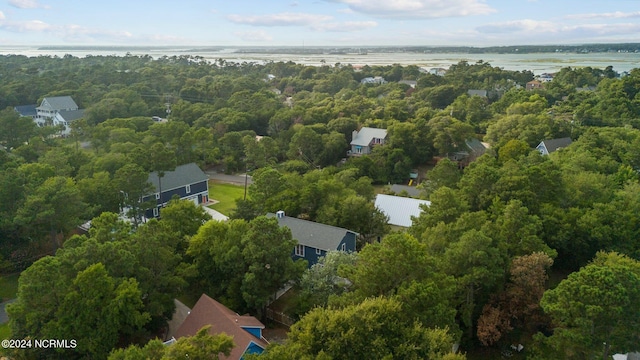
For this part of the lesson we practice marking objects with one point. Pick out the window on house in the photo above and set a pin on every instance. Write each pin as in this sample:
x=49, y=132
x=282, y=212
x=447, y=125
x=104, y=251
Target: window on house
x=299, y=250
x=359, y=149
x=188, y=189
x=157, y=196
x=344, y=247
x=318, y=252
x=155, y=211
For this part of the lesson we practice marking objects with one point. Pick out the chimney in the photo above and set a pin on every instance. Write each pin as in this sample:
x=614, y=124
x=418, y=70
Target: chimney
x=280, y=214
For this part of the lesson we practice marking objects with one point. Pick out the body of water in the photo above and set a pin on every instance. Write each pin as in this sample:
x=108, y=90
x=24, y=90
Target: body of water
x=537, y=62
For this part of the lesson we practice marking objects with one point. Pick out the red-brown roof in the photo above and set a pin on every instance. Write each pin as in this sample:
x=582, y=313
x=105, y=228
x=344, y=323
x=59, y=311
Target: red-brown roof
x=207, y=311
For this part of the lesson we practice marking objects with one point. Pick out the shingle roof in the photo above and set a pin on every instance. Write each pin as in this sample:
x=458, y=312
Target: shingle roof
x=70, y=115
x=207, y=311
x=313, y=234
x=411, y=190
x=400, y=209
x=475, y=145
x=60, y=102
x=555, y=144
x=183, y=175
x=366, y=134
x=27, y=110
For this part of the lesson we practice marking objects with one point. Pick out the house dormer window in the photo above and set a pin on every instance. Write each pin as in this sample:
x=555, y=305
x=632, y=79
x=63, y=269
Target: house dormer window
x=299, y=251
x=188, y=187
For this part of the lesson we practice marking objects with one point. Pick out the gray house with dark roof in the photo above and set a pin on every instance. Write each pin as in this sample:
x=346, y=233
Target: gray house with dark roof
x=546, y=147
x=50, y=106
x=187, y=181
x=315, y=239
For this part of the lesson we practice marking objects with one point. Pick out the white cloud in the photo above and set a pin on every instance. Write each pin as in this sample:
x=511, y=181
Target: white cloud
x=27, y=4
x=611, y=15
x=255, y=35
x=418, y=9
x=282, y=19
x=346, y=11
x=346, y=26
x=2, y=17
x=525, y=25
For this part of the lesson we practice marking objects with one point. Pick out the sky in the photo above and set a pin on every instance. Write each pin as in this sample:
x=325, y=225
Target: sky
x=318, y=22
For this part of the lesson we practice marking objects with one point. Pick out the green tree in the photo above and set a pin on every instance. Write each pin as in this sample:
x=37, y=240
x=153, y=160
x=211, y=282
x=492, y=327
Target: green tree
x=15, y=130
x=200, y=346
x=55, y=207
x=267, y=254
x=595, y=310
x=377, y=328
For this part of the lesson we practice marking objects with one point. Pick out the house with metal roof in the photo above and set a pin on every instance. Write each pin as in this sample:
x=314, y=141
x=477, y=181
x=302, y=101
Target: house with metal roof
x=187, y=181
x=50, y=106
x=246, y=330
x=364, y=140
x=315, y=239
x=546, y=147
x=400, y=210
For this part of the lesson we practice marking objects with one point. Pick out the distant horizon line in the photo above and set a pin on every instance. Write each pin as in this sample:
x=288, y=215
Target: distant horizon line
x=93, y=46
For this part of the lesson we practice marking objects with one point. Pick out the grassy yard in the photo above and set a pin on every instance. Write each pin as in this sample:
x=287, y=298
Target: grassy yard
x=8, y=286
x=226, y=194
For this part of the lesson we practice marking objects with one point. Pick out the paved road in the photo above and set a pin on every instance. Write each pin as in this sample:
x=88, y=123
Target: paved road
x=233, y=179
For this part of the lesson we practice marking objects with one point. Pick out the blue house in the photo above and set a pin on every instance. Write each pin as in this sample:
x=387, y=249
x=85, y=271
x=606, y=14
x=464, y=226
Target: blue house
x=187, y=181
x=245, y=329
x=315, y=239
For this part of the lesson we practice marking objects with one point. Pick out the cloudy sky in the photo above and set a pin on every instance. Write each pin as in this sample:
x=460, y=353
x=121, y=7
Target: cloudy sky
x=318, y=22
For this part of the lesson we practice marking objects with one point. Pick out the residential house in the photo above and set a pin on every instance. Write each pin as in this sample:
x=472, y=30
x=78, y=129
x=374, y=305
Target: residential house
x=411, y=83
x=438, y=71
x=364, y=140
x=50, y=106
x=546, y=77
x=246, y=330
x=533, y=84
x=474, y=149
x=65, y=117
x=187, y=181
x=546, y=147
x=400, y=210
x=27, y=110
x=378, y=80
x=315, y=239
x=474, y=92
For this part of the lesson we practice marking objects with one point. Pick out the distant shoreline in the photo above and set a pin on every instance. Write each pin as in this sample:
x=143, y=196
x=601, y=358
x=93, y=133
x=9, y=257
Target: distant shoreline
x=512, y=49
x=622, y=60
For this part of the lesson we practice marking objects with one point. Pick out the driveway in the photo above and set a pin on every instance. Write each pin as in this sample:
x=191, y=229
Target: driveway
x=238, y=179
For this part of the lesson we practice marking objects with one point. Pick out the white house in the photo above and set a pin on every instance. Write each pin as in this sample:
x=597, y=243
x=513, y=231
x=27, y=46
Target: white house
x=58, y=110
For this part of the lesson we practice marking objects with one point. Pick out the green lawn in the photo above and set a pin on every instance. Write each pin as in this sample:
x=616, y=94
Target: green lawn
x=5, y=331
x=226, y=194
x=8, y=286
